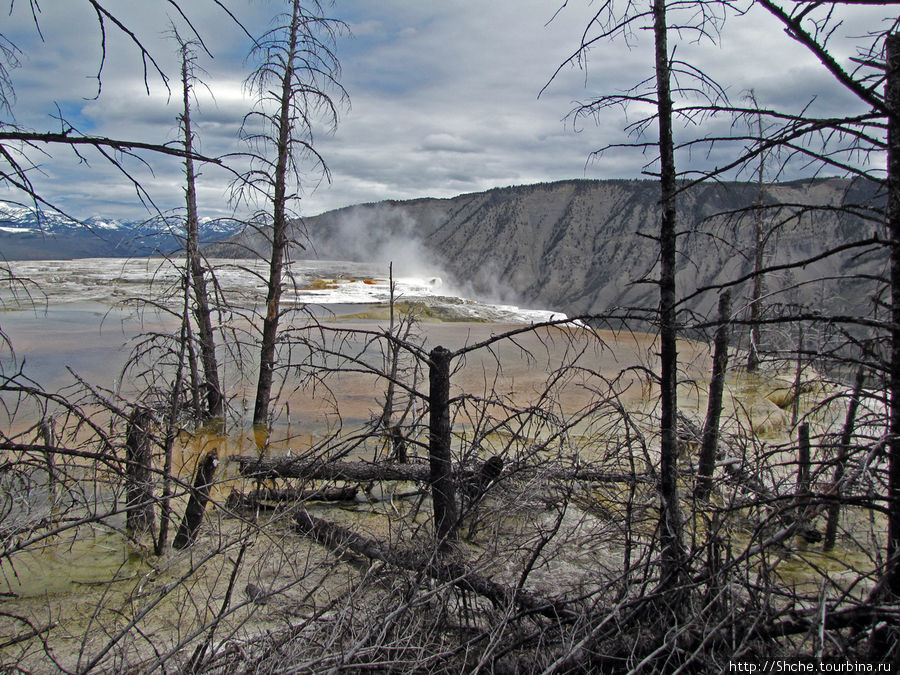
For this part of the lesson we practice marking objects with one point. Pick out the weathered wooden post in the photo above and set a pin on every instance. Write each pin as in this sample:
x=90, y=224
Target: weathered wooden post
x=714, y=408
x=139, y=472
x=834, y=508
x=193, y=515
x=442, y=490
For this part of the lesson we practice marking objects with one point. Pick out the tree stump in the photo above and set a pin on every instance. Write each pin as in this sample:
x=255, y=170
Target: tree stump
x=139, y=473
x=193, y=515
x=441, y=479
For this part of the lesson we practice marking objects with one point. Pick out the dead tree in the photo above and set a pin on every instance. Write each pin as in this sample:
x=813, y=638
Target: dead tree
x=339, y=538
x=47, y=433
x=892, y=101
x=759, y=242
x=803, y=474
x=392, y=368
x=610, y=23
x=710, y=440
x=202, y=312
x=843, y=453
x=267, y=468
x=798, y=378
x=672, y=561
x=292, y=84
x=269, y=498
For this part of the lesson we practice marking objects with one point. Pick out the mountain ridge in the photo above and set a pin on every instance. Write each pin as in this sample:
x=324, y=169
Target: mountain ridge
x=586, y=246
x=28, y=235
x=578, y=246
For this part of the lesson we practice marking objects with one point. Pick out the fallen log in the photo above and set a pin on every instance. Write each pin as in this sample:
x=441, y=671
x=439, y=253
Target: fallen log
x=341, y=539
x=265, y=498
x=362, y=472
x=298, y=467
x=859, y=617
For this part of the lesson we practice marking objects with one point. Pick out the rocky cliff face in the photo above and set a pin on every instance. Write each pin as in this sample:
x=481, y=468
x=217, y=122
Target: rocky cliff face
x=586, y=246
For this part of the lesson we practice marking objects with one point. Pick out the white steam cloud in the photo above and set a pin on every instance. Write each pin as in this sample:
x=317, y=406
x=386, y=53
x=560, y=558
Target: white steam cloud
x=381, y=237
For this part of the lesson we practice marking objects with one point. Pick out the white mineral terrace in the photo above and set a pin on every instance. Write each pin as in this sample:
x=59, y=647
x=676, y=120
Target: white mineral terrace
x=334, y=285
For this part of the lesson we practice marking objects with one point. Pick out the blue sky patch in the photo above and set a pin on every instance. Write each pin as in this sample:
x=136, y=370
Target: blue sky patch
x=73, y=113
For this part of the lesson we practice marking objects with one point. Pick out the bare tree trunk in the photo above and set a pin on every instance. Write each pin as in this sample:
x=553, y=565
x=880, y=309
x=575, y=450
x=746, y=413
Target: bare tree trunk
x=798, y=377
x=202, y=312
x=139, y=473
x=47, y=431
x=171, y=420
x=803, y=465
x=714, y=407
x=279, y=230
x=758, y=258
x=892, y=98
x=297, y=68
x=266, y=468
x=753, y=351
x=393, y=356
x=672, y=558
x=398, y=445
x=196, y=384
x=270, y=324
x=442, y=489
x=803, y=461
x=193, y=515
x=834, y=509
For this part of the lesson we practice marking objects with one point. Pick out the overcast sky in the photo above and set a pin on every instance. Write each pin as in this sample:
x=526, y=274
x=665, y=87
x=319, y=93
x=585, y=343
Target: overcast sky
x=443, y=95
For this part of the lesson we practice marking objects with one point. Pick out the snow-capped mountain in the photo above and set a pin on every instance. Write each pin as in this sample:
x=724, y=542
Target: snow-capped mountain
x=28, y=235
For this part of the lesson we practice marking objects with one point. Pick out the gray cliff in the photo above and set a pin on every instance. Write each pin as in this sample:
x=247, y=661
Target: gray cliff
x=586, y=247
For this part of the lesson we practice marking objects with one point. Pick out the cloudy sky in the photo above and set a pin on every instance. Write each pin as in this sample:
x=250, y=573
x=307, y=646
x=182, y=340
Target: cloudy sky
x=444, y=96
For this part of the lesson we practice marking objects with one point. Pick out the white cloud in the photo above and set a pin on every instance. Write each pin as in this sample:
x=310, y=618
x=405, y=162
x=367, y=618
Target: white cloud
x=443, y=142
x=444, y=95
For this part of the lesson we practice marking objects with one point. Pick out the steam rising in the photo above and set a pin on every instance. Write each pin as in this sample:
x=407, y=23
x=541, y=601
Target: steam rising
x=382, y=237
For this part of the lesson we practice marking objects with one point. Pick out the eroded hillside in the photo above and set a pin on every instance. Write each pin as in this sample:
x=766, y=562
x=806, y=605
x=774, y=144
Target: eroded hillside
x=586, y=246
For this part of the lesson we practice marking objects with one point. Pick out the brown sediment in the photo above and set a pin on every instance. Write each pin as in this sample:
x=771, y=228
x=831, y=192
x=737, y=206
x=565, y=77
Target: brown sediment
x=320, y=285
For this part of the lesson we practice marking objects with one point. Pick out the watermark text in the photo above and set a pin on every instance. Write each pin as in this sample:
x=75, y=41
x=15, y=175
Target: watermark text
x=807, y=666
